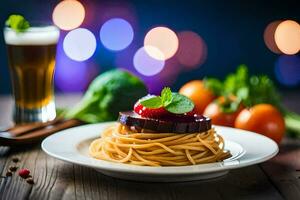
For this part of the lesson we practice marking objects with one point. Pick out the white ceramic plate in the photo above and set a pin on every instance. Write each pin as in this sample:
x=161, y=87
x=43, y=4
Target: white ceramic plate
x=247, y=148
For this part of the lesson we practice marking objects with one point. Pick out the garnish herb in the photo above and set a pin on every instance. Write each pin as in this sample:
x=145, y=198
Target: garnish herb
x=180, y=104
x=166, y=96
x=153, y=102
x=172, y=102
x=18, y=23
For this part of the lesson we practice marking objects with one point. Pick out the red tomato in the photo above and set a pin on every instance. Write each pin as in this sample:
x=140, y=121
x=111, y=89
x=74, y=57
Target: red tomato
x=264, y=119
x=197, y=92
x=214, y=112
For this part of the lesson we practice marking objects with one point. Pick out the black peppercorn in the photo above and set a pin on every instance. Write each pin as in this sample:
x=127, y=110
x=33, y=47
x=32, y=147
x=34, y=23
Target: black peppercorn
x=8, y=173
x=15, y=159
x=30, y=181
x=13, y=168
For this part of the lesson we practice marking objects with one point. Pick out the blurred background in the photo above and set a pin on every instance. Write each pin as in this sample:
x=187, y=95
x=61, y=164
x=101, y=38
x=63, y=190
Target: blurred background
x=204, y=38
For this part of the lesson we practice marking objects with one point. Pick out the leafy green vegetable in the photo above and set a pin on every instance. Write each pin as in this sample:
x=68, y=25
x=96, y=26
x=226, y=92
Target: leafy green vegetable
x=172, y=102
x=214, y=85
x=262, y=90
x=111, y=92
x=234, y=82
x=18, y=23
x=60, y=112
x=228, y=104
x=158, y=101
x=251, y=90
x=153, y=102
x=180, y=104
x=166, y=96
x=292, y=123
x=231, y=84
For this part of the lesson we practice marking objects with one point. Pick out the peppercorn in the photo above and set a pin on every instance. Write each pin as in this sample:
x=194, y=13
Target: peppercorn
x=30, y=181
x=8, y=173
x=15, y=159
x=13, y=168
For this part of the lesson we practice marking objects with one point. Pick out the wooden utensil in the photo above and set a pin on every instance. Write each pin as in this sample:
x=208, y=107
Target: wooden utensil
x=34, y=132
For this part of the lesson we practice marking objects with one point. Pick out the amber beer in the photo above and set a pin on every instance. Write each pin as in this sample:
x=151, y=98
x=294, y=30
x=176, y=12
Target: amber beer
x=31, y=56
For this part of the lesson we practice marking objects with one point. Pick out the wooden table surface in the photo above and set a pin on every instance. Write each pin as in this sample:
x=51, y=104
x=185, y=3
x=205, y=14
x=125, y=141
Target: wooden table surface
x=278, y=178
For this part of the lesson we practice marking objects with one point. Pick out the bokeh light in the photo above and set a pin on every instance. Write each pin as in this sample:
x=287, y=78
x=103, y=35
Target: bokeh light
x=116, y=34
x=79, y=44
x=287, y=70
x=192, y=51
x=163, y=39
x=70, y=75
x=68, y=14
x=146, y=64
x=269, y=36
x=287, y=37
x=166, y=77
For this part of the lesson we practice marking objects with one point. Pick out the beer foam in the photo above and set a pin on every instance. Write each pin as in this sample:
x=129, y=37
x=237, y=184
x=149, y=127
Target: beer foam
x=32, y=36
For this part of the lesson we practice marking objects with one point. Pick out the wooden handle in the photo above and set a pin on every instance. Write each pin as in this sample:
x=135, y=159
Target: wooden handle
x=26, y=128
x=37, y=135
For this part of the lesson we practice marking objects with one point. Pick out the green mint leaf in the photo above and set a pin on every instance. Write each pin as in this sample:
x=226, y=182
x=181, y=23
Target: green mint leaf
x=180, y=104
x=18, y=23
x=153, y=102
x=166, y=96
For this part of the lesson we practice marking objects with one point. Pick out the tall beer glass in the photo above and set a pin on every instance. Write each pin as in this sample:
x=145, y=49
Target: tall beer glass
x=31, y=56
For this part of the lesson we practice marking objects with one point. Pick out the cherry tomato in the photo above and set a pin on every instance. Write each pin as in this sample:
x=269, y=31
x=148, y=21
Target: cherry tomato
x=217, y=116
x=264, y=119
x=197, y=92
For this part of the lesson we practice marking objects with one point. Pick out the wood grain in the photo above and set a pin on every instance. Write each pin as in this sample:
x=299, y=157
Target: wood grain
x=284, y=169
x=55, y=179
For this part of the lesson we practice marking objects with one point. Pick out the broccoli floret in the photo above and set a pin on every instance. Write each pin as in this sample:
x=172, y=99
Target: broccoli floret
x=111, y=92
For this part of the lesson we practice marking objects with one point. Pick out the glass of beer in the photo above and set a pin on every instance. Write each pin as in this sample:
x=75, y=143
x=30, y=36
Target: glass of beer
x=31, y=56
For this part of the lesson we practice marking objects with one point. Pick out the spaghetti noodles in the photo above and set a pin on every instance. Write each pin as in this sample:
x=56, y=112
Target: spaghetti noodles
x=124, y=145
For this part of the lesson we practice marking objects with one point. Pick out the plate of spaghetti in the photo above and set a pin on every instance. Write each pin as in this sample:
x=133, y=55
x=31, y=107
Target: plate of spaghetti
x=160, y=141
x=121, y=145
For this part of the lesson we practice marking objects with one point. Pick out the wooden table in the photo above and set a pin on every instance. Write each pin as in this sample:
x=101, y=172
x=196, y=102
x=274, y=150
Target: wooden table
x=278, y=178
